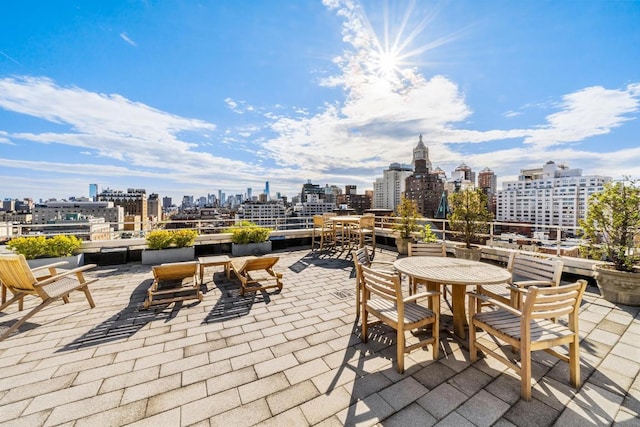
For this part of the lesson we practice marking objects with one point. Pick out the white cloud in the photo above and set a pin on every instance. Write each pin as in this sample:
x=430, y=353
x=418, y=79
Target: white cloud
x=126, y=38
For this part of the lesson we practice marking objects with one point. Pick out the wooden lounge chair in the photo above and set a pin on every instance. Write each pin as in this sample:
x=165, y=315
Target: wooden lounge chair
x=383, y=298
x=173, y=282
x=21, y=280
x=531, y=329
x=256, y=274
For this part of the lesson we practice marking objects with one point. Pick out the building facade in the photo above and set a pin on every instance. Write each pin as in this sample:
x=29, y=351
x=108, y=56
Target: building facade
x=488, y=183
x=424, y=187
x=134, y=202
x=552, y=195
x=266, y=214
x=387, y=191
x=50, y=212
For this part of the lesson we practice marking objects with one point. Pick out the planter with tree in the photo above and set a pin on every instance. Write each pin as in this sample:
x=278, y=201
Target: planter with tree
x=41, y=250
x=469, y=217
x=164, y=246
x=406, y=225
x=249, y=239
x=612, y=229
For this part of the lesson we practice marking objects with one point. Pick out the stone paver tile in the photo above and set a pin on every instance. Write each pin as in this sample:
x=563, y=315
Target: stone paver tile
x=176, y=398
x=278, y=329
x=119, y=416
x=280, y=320
x=627, y=419
x=82, y=408
x=300, y=332
x=632, y=401
x=137, y=353
x=366, y=412
x=627, y=351
x=532, y=414
x=321, y=337
x=245, y=415
x=454, y=419
x=332, y=421
x=36, y=419
x=102, y=372
x=61, y=397
x=159, y=359
x=289, y=347
x=262, y=387
x=483, y=409
x=183, y=364
x=291, y=397
x=204, y=347
x=17, y=367
x=35, y=389
x=169, y=418
x=251, y=359
x=164, y=337
x=206, y=371
x=85, y=365
x=12, y=410
x=440, y=401
x=151, y=388
x=185, y=342
x=412, y=415
x=267, y=342
x=306, y=370
x=30, y=377
x=129, y=379
x=325, y=405
x=278, y=364
x=334, y=378
x=119, y=346
x=208, y=407
x=229, y=352
x=576, y=415
x=292, y=417
x=403, y=393
x=244, y=337
x=507, y=387
x=230, y=380
x=598, y=401
x=313, y=352
x=621, y=365
x=605, y=337
x=434, y=374
x=470, y=381
x=614, y=382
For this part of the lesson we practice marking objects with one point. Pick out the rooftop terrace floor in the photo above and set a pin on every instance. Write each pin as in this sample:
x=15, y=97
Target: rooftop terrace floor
x=289, y=358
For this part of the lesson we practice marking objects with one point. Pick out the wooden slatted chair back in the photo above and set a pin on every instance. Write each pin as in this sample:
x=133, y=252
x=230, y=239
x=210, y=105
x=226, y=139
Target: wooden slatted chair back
x=262, y=263
x=526, y=267
x=552, y=302
x=382, y=284
x=16, y=274
x=318, y=221
x=175, y=270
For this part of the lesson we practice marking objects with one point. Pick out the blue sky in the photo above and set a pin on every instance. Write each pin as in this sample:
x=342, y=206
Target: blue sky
x=192, y=97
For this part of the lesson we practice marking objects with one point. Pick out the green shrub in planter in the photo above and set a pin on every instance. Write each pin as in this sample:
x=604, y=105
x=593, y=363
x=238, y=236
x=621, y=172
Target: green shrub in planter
x=163, y=239
x=248, y=232
x=43, y=247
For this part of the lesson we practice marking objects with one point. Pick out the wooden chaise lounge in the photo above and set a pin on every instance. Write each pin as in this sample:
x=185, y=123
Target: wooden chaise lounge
x=173, y=282
x=256, y=274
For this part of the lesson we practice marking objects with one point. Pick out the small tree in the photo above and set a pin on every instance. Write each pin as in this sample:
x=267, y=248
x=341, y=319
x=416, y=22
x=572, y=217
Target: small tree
x=407, y=211
x=248, y=232
x=428, y=236
x=612, y=223
x=469, y=214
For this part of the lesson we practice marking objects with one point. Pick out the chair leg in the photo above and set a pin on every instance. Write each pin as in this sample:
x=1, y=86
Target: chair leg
x=357, y=298
x=400, y=350
x=365, y=326
x=574, y=363
x=87, y=294
x=525, y=374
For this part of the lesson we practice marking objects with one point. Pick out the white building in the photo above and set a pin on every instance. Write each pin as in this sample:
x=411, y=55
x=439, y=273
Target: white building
x=313, y=206
x=388, y=190
x=551, y=195
x=52, y=211
x=263, y=214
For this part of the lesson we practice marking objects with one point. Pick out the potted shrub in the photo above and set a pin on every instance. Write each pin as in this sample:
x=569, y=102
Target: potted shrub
x=165, y=246
x=427, y=235
x=249, y=239
x=41, y=250
x=469, y=216
x=611, y=225
x=406, y=225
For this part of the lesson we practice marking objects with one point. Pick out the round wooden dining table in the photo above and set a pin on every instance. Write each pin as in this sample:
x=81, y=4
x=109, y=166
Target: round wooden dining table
x=459, y=273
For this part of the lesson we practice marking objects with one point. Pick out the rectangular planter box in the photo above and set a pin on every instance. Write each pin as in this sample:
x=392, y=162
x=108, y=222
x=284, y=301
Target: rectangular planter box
x=73, y=261
x=163, y=256
x=251, y=249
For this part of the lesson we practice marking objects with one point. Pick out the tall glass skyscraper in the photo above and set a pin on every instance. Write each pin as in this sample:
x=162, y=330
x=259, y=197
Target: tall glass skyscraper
x=93, y=192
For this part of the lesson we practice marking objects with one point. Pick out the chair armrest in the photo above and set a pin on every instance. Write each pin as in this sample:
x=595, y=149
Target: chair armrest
x=52, y=265
x=77, y=271
x=498, y=304
x=421, y=295
x=527, y=283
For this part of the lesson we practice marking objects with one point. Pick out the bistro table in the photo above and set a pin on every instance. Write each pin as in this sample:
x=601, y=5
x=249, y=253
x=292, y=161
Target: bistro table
x=206, y=261
x=345, y=223
x=456, y=272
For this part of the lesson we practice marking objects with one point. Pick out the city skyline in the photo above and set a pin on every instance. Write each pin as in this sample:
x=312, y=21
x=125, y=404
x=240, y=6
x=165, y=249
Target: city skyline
x=184, y=99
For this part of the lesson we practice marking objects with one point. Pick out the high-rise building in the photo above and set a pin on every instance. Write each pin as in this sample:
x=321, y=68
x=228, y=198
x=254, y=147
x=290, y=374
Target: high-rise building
x=52, y=211
x=464, y=173
x=266, y=190
x=134, y=202
x=551, y=195
x=166, y=203
x=488, y=183
x=387, y=191
x=309, y=188
x=93, y=192
x=154, y=209
x=424, y=187
x=358, y=202
x=249, y=193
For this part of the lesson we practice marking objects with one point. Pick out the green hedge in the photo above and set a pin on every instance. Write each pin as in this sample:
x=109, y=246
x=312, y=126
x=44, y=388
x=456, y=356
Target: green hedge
x=247, y=232
x=163, y=239
x=43, y=247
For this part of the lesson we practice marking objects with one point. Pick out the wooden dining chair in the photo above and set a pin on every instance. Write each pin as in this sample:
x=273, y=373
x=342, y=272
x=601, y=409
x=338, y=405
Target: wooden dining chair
x=426, y=249
x=530, y=329
x=323, y=232
x=361, y=257
x=382, y=297
x=366, y=231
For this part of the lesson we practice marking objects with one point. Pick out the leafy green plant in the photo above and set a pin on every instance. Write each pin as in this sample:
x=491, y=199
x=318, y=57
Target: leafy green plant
x=247, y=232
x=43, y=247
x=612, y=224
x=428, y=236
x=469, y=214
x=163, y=239
x=407, y=212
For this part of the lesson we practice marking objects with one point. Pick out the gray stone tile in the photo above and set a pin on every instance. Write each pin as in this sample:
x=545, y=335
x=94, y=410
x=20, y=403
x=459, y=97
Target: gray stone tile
x=262, y=387
x=245, y=415
x=442, y=400
x=366, y=412
x=483, y=409
x=412, y=415
x=291, y=397
x=208, y=407
x=403, y=393
x=532, y=414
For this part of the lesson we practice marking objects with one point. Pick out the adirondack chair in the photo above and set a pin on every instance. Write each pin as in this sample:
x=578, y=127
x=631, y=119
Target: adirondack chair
x=256, y=274
x=17, y=277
